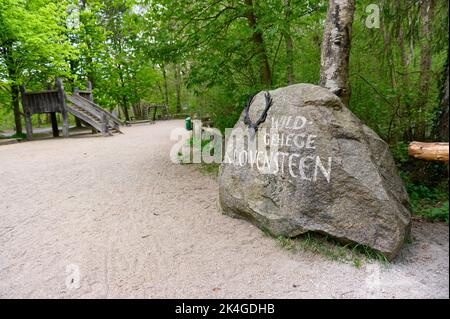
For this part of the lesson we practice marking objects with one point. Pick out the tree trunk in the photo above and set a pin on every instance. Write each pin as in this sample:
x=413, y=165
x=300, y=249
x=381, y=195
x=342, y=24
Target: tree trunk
x=426, y=14
x=441, y=131
x=388, y=55
x=124, y=97
x=125, y=110
x=16, y=108
x=335, y=55
x=12, y=75
x=289, y=45
x=166, y=91
x=404, y=61
x=257, y=38
x=125, y=105
x=178, y=87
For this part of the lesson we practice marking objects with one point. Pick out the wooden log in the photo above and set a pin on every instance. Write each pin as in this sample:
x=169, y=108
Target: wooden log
x=429, y=151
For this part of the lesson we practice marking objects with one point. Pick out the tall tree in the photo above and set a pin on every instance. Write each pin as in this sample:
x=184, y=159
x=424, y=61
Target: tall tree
x=289, y=44
x=32, y=43
x=426, y=16
x=258, y=41
x=165, y=86
x=335, y=55
x=441, y=128
x=178, y=87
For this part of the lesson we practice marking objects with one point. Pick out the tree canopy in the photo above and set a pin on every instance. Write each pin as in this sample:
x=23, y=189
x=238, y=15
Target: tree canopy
x=205, y=57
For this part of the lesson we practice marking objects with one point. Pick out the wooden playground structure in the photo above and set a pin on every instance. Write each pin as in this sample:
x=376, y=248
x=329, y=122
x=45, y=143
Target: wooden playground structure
x=80, y=104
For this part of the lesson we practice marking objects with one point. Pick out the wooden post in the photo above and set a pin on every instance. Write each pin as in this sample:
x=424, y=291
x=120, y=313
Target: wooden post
x=27, y=112
x=63, y=106
x=54, y=124
x=89, y=88
x=90, y=98
x=104, y=125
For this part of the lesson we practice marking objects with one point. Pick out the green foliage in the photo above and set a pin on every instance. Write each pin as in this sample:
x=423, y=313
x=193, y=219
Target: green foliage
x=385, y=69
x=430, y=203
x=439, y=213
x=400, y=153
x=33, y=40
x=33, y=47
x=428, y=198
x=129, y=49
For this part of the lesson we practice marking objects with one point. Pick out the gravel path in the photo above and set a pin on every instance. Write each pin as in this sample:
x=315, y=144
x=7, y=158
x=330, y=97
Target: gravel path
x=133, y=224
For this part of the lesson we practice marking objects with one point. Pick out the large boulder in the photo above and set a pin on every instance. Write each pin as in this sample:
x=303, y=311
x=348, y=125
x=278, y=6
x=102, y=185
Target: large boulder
x=330, y=174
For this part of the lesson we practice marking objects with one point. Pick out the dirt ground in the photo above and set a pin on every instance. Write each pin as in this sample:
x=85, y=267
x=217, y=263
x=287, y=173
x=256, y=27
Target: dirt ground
x=95, y=217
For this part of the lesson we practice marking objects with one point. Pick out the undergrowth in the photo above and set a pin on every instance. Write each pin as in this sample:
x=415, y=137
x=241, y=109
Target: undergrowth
x=426, y=184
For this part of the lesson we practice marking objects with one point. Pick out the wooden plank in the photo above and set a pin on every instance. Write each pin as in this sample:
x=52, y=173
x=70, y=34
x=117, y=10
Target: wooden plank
x=429, y=151
x=85, y=118
x=82, y=103
x=41, y=92
x=44, y=102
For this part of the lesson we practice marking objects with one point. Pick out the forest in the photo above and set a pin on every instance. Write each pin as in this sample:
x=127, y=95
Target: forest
x=204, y=58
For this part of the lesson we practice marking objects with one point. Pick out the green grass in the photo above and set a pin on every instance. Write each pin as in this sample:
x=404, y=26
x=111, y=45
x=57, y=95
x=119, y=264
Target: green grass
x=330, y=248
x=19, y=136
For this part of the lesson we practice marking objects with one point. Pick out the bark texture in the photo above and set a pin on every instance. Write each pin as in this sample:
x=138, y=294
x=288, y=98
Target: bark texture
x=178, y=87
x=336, y=45
x=289, y=45
x=426, y=15
x=442, y=123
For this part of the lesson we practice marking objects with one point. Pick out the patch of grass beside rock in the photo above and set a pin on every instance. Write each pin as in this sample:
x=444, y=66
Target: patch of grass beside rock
x=330, y=248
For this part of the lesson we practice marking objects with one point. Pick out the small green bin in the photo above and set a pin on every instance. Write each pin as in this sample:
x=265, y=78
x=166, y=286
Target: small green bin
x=188, y=123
